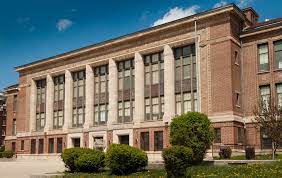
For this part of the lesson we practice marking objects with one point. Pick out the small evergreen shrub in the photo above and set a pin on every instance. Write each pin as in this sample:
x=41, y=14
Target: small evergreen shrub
x=225, y=152
x=250, y=153
x=193, y=130
x=90, y=162
x=70, y=155
x=124, y=159
x=7, y=154
x=177, y=159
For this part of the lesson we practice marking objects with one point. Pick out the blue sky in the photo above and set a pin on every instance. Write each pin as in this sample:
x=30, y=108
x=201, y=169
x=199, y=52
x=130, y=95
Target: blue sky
x=31, y=30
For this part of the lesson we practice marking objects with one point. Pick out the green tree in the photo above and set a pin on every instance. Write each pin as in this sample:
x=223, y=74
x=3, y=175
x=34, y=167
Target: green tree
x=192, y=130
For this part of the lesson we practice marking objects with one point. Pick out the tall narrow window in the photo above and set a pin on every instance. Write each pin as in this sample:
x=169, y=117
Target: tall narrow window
x=32, y=146
x=22, y=144
x=145, y=141
x=15, y=103
x=101, y=95
x=59, y=98
x=59, y=145
x=154, y=86
x=40, y=104
x=126, y=91
x=217, y=134
x=263, y=57
x=14, y=128
x=185, y=79
x=40, y=146
x=279, y=95
x=278, y=54
x=240, y=135
x=51, y=145
x=158, y=140
x=78, y=98
x=265, y=94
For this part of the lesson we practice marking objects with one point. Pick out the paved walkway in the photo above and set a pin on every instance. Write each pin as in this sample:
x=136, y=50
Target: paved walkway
x=26, y=168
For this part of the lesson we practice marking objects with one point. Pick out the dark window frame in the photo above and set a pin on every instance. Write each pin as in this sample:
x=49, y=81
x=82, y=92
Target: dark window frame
x=58, y=82
x=150, y=63
x=145, y=141
x=77, y=77
x=123, y=68
x=158, y=140
x=101, y=74
x=41, y=100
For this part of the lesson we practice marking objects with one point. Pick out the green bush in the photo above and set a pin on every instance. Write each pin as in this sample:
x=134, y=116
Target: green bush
x=193, y=130
x=177, y=159
x=250, y=153
x=225, y=152
x=124, y=159
x=2, y=148
x=7, y=154
x=90, y=162
x=70, y=155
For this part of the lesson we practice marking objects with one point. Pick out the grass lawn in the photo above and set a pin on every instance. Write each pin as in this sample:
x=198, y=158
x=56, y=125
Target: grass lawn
x=272, y=170
x=258, y=157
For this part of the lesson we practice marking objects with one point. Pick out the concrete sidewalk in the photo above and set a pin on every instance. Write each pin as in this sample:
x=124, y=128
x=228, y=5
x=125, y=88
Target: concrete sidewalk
x=25, y=168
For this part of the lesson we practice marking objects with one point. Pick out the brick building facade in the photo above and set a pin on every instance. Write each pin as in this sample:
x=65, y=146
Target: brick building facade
x=128, y=89
x=2, y=118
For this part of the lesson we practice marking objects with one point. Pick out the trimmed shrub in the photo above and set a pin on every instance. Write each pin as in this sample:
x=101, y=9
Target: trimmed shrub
x=70, y=155
x=7, y=154
x=193, y=130
x=124, y=159
x=90, y=162
x=177, y=159
x=250, y=153
x=225, y=152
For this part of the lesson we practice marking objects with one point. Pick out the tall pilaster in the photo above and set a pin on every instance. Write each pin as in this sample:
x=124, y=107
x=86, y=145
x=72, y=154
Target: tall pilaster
x=68, y=100
x=139, y=89
x=169, y=84
x=49, y=103
x=89, y=107
x=32, y=117
x=113, y=93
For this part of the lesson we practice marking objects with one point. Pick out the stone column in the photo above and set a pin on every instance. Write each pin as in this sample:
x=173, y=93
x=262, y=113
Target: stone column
x=68, y=100
x=49, y=103
x=89, y=106
x=113, y=93
x=169, y=84
x=32, y=105
x=139, y=90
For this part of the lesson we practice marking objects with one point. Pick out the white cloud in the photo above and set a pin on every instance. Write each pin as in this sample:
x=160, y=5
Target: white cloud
x=177, y=13
x=63, y=24
x=220, y=4
x=26, y=23
x=244, y=3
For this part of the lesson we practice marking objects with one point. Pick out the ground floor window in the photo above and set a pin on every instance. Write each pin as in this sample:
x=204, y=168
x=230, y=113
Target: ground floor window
x=98, y=143
x=158, y=140
x=22, y=144
x=217, y=134
x=59, y=145
x=76, y=142
x=33, y=146
x=40, y=146
x=51, y=145
x=124, y=139
x=145, y=141
x=14, y=147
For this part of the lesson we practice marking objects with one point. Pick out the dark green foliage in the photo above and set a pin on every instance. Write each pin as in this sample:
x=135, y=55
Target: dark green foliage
x=124, y=159
x=192, y=130
x=70, y=155
x=2, y=148
x=7, y=154
x=225, y=152
x=90, y=162
x=250, y=153
x=177, y=159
